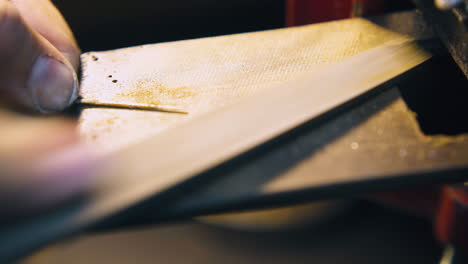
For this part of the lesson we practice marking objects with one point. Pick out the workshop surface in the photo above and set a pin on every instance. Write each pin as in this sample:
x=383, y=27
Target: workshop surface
x=365, y=234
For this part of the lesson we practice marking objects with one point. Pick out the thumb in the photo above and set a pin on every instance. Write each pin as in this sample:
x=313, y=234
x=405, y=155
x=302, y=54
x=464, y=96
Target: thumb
x=33, y=74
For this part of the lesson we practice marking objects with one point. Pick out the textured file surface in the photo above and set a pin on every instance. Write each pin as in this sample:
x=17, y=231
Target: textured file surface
x=204, y=74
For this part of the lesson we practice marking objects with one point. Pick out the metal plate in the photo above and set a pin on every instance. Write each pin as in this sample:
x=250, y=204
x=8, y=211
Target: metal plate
x=121, y=124
x=202, y=75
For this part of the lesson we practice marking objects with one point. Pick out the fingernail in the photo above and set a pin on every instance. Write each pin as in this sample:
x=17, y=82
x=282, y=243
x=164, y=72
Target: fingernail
x=53, y=84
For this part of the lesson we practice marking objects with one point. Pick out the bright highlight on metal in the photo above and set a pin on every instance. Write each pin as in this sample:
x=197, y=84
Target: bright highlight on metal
x=447, y=4
x=139, y=106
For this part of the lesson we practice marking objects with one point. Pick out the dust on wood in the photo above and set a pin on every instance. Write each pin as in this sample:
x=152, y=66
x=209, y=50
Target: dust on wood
x=152, y=93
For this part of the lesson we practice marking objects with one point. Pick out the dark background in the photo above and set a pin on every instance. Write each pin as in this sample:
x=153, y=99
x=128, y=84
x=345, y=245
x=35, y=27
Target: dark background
x=106, y=24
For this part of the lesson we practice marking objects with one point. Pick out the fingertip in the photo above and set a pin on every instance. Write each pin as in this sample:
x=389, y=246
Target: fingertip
x=73, y=56
x=60, y=177
x=47, y=184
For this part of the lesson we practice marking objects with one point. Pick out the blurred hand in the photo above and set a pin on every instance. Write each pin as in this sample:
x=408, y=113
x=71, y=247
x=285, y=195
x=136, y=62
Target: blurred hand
x=42, y=163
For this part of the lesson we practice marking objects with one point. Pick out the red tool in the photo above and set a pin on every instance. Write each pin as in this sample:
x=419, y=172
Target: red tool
x=451, y=221
x=301, y=12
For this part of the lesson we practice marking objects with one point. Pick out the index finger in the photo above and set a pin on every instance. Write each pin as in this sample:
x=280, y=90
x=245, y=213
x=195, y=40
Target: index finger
x=46, y=19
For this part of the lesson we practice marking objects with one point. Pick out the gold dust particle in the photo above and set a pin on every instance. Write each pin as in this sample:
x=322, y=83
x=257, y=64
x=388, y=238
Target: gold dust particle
x=148, y=92
x=143, y=96
x=105, y=123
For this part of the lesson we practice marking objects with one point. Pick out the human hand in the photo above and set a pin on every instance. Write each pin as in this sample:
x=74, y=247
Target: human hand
x=42, y=162
x=39, y=56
